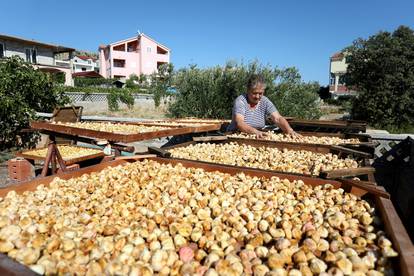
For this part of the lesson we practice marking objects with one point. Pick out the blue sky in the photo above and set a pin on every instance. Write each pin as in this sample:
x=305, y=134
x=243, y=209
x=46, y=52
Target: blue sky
x=207, y=33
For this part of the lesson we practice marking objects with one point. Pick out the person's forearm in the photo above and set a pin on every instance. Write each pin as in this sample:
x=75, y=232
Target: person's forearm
x=243, y=127
x=284, y=125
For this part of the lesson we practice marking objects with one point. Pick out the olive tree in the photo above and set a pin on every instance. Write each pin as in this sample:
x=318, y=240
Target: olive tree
x=23, y=91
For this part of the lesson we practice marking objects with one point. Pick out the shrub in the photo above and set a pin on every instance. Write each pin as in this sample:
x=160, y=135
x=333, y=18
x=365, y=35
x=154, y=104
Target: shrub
x=94, y=82
x=23, y=91
x=161, y=81
x=210, y=93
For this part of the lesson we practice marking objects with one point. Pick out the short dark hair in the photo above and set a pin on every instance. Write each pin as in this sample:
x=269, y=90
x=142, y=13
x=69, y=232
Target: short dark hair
x=254, y=80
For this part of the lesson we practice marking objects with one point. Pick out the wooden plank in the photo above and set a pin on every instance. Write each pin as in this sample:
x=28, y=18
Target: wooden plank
x=398, y=235
x=366, y=186
x=159, y=152
x=10, y=267
x=135, y=157
x=351, y=151
x=210, y=138
x=347, y=172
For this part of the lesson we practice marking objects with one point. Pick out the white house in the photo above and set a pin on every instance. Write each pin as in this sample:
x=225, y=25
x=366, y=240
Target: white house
x=43, y=56
x=337, y=70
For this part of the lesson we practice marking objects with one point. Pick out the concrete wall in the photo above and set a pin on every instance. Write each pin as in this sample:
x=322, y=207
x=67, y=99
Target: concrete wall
x=44, y=55
x=338, y=66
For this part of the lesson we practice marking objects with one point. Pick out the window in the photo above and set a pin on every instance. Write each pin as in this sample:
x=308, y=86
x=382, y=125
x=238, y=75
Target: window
x=31, y=55
x=83, y=69
x=160, y=64
x=28, y=59
x=161, y=51
x=148, y=49
x=1, y=50
x=119, y=63
x=332, y=79
x=342, y=80
x=132, y=46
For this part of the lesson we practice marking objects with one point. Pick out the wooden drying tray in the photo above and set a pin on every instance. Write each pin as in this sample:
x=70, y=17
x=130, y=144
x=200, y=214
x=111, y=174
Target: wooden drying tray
x=110, y=136
x=365, y=170
x=328, y=126
x=364, y=148
x=393, y=226
x=100, y=154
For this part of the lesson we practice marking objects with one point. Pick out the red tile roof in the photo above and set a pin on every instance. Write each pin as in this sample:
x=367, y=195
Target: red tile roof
x=337, y=56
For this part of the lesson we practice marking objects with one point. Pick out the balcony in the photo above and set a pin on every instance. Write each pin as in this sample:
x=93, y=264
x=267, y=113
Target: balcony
x=119, y=63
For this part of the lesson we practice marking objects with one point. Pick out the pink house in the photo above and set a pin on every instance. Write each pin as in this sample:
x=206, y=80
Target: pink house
x=137, y=55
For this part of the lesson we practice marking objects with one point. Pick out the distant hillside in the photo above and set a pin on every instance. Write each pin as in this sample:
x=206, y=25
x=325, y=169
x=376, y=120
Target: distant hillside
x=86, y=53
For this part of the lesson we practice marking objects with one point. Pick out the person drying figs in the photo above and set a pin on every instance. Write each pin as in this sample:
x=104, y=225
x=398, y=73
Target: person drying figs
x=250, y=110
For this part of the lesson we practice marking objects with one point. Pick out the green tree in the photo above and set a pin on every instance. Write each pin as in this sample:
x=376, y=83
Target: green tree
x=160, y=82
x=132, y=81
x=381, y=69
x=23, y=91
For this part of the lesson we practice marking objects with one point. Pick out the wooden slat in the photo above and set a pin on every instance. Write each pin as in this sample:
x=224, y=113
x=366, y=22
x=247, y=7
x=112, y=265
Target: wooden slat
x=347, y=172
x=10, y=267
x=351, y=151
x=135, y=157
x=398, y=235
x=365, y=186
x=209, y=138
x=159, y=152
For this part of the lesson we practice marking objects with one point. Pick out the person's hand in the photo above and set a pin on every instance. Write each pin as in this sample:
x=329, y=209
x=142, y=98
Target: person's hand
x=260, y=134
x=294, y=134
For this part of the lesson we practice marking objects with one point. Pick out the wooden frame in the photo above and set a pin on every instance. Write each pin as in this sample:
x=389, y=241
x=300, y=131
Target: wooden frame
x=349, y=126
x=365, y=170
x=25, y=155
x=393, y=225
x=365, y=145
x=113, y=137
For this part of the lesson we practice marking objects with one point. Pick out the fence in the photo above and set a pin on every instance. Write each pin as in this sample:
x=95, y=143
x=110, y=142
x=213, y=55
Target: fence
x=101, y=97
x=386, y=141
